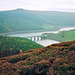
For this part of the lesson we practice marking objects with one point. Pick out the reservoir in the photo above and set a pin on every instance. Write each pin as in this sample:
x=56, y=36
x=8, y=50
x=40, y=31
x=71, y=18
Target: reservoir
x=45, y=42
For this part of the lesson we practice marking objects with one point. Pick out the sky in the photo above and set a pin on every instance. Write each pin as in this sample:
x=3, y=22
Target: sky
x=41, y=5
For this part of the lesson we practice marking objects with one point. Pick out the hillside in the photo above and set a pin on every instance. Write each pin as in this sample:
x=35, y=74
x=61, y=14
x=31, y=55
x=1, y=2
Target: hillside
x=28, y=20
x=62, y=36
x=14, y=45
x=56, y=59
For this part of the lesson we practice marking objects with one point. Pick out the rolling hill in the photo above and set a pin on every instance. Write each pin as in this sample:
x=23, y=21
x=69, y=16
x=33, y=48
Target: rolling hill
x=15, y=45
x=27, y=20
x=56, y=59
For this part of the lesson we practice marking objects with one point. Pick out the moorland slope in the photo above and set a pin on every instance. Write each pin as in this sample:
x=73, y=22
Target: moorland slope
x=56, y=59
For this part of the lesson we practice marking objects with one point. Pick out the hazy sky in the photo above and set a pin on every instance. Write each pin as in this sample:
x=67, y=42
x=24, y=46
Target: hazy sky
x=37, y=4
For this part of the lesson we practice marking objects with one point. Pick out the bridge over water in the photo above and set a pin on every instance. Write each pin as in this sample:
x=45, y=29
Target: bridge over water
x=35, y=38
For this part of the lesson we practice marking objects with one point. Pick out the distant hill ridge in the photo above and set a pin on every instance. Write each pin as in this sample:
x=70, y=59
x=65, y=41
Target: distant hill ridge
x=23, y=20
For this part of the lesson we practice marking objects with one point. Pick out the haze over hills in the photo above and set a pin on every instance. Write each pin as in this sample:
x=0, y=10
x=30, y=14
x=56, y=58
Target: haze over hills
x=62, y=9
x=27, y=20
x=18, y=56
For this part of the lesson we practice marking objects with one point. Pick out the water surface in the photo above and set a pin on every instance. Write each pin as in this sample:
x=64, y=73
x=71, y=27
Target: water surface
x=45, y=42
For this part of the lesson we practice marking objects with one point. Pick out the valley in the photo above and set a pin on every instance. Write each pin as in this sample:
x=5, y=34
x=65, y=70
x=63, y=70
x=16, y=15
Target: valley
x=37, y=42
x=46, y=38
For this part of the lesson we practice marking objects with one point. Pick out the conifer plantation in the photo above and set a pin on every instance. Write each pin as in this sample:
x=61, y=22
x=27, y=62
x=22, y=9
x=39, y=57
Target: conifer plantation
x=15, y=45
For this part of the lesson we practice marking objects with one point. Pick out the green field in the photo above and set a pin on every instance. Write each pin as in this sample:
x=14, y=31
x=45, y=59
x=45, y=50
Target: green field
x=61, y=36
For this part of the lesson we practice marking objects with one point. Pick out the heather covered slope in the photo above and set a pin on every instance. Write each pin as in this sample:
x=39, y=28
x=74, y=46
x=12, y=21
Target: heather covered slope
x=56, y=59
x=28, y=20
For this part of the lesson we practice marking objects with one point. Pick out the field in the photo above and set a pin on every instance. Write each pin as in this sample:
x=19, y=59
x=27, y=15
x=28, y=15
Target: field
x=62, y=36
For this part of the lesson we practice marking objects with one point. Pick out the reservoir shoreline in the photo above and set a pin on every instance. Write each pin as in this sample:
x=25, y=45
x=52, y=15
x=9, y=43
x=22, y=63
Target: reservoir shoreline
x=45, y=42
